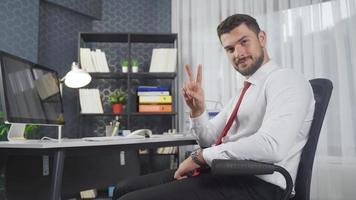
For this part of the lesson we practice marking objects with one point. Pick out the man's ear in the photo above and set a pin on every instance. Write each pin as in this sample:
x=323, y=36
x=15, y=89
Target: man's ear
x=262, y=38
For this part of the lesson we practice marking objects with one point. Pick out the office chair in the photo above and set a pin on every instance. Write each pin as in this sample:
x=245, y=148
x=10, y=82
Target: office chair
x=322, y=89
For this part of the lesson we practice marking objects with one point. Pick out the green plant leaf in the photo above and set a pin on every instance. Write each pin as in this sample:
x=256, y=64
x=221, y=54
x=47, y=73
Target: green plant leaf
x=118, y=96
x=135, y=62
x=124, y=62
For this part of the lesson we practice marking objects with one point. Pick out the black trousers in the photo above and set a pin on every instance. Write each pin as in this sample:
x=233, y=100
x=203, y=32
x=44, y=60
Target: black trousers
x=162, y=186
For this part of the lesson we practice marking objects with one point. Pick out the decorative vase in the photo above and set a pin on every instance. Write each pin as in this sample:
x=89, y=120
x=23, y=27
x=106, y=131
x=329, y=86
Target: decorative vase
x=134, y=69
x=124, y=69
x=117, y=108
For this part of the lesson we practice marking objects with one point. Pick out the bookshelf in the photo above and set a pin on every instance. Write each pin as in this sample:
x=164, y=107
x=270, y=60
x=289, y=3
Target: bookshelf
x=118, y=46
x=129, y=46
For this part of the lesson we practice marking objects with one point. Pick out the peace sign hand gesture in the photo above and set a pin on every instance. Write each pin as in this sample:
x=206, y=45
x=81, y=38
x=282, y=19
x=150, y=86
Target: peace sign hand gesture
x=193, y=93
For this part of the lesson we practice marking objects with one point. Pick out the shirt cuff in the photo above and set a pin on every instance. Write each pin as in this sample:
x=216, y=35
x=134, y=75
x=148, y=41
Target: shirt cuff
x=214, y=152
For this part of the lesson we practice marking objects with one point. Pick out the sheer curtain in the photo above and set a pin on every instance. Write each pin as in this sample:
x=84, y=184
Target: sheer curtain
x=316, y=38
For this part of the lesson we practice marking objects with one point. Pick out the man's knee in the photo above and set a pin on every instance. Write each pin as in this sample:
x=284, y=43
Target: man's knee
x=128, y=185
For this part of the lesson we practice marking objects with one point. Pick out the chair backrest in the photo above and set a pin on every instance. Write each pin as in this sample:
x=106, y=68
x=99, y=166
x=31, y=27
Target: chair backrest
x=322, y=89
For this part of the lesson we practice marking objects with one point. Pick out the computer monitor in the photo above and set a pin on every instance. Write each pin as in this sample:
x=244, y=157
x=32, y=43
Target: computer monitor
x=29, y=94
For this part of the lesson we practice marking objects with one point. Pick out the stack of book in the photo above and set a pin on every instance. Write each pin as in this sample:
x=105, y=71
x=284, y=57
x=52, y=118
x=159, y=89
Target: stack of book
x=90, y=101
x=93, y=61
x=88, y=194
x=167, y=150
x=154, y=99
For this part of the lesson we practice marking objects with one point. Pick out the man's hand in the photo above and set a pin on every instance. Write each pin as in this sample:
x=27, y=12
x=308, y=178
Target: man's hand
x=187, y=166
x=193, y=93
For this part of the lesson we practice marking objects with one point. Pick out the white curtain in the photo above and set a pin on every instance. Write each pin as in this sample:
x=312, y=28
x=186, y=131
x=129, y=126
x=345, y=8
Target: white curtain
x=316, y=38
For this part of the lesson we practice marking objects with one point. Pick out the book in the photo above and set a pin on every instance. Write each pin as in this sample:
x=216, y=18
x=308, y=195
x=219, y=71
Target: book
x=155, y=108
x=152, y=88
x=101, y=63
x=104, y=62
x=163, y=60
x=155, y=99
x=93, y=61
x=152, y=93
x=85, y=60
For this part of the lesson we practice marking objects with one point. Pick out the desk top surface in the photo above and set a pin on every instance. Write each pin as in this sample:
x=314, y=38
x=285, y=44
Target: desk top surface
x=67, y=143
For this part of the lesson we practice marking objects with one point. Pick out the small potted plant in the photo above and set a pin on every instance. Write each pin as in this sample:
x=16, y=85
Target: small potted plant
x=135, y=64
x=117, y=99
x=124, y=65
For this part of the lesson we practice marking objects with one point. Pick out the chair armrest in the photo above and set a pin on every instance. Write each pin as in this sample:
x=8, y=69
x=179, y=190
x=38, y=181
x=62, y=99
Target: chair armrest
x=249, y=167
x=240, y=167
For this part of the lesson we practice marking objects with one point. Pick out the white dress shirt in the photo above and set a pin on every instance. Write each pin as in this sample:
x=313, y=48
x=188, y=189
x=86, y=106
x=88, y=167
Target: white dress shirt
x=272, y=123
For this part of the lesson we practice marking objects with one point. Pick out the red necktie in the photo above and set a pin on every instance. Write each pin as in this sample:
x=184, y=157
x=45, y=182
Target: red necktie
x=229, y=122
x=233, y=114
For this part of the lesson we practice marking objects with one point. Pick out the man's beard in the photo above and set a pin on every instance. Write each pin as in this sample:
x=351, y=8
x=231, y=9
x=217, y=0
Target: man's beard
x=253, y=67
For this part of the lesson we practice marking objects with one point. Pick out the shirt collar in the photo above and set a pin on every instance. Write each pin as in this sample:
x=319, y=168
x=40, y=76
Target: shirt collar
x=260, y=75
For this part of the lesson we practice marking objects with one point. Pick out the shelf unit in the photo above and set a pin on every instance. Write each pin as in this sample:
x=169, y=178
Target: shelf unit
x=129, y=46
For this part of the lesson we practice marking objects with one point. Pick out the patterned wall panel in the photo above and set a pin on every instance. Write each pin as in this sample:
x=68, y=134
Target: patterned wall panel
x=58, y=37
x=19, y=28
x=58, y=41
x=91, y=8
x=134, y=16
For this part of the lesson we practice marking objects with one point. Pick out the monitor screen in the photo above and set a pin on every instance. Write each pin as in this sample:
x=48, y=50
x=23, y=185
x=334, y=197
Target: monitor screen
x=29, y=92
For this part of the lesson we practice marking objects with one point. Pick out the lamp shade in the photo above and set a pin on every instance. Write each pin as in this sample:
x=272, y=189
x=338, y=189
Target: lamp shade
x=76, y=77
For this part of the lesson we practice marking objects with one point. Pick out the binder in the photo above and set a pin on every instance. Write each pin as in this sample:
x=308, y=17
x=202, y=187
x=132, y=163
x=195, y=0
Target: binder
x=163, y=99
x=155, y=108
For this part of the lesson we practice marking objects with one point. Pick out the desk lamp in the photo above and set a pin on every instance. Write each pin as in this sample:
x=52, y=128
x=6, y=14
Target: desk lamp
x=76, y=77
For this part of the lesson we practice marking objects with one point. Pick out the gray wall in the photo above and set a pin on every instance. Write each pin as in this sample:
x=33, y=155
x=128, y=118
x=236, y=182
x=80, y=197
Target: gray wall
x=19, y=27
x=91, y=8
x=135, y=16
x=46, y=31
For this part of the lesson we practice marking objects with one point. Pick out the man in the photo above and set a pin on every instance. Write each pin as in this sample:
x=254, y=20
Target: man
x=274, y=113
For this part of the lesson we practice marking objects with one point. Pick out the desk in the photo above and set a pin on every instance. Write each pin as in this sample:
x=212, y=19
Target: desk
x=59, y=151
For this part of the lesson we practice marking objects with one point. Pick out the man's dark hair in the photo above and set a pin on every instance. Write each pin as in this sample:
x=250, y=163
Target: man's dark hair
x=236, y=20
